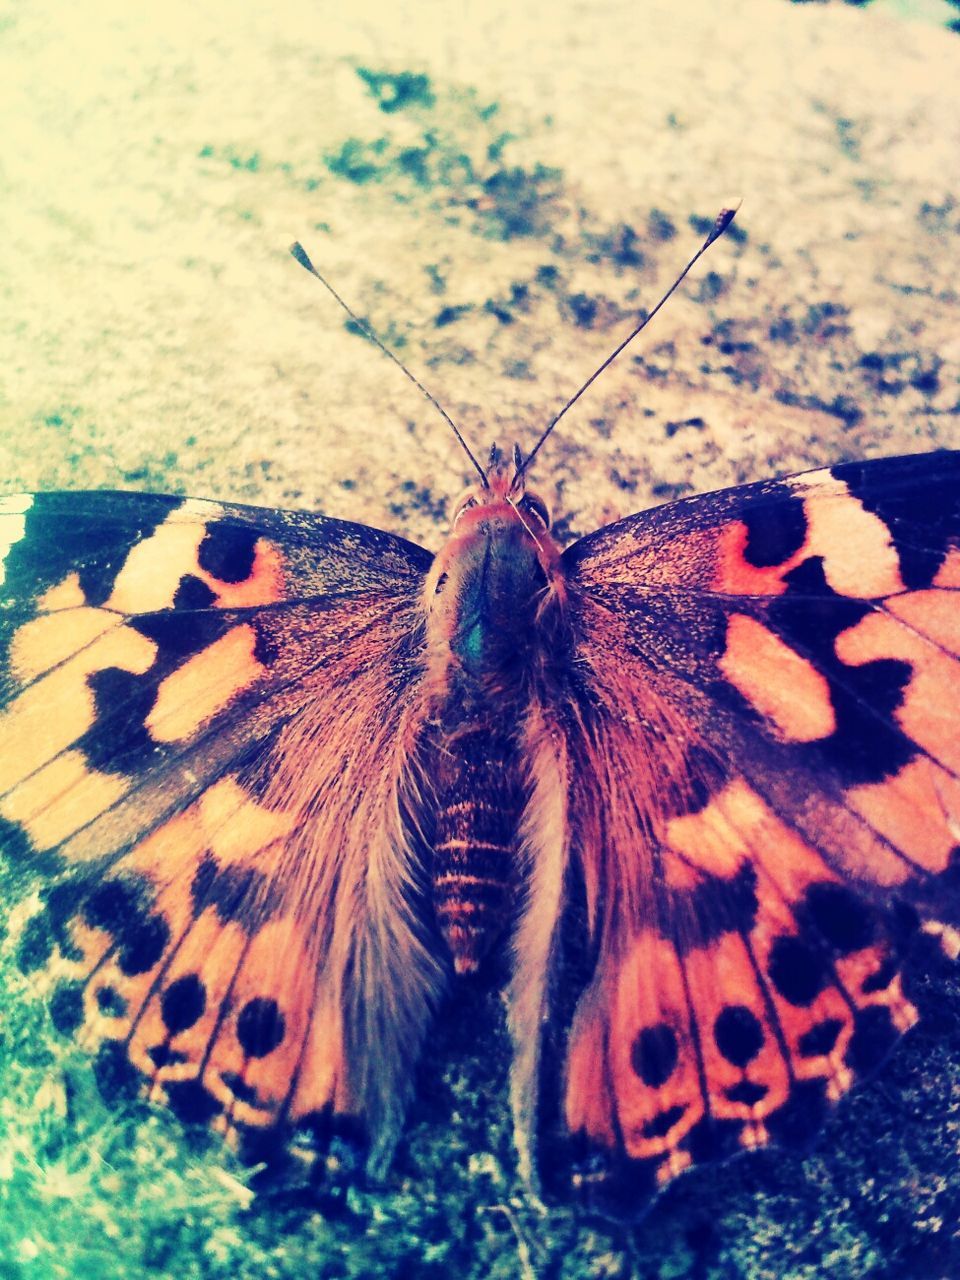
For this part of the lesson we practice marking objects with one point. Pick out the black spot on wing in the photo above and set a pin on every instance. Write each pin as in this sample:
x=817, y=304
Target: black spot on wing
x=661, y=1124
x=161, y=1055
x=141, y=944
x=866, y=746
x=748, y=1092
x=844, y=921
x=178, y=636
x=110, y=1002
x=227, y=551
x=820, y=1039
x=260, y=1027
x=239, y=1087
x=738, y=1034
x=881, y=978
x=796, y=970
x=117, y=1078
x=35, y=944
x=183, y=1003
x=66, y=1007
x=193, y=593
x=918, y=499
x=118, y=739
x=775, y=529
x=15, y=844
x=110, y=905
x=140, y=935
x=191, y=1102
x=653, y=1055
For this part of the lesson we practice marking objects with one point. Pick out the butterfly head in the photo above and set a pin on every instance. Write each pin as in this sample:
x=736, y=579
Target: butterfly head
x=503, y=486
x=498, y=572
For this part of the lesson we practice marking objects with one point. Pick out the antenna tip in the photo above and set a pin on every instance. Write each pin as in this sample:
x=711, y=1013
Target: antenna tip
x=724, y=218
x=297, y=251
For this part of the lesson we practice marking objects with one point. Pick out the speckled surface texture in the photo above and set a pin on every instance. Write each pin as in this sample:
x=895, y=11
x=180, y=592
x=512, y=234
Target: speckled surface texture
x=497, y=195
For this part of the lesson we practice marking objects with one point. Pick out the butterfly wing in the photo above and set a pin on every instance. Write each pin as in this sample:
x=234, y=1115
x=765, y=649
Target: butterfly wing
x=207, y=747
x=761, y=736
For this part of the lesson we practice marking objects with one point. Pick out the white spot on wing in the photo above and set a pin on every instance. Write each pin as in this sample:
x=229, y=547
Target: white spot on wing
x=193, y=507
x=13, y=525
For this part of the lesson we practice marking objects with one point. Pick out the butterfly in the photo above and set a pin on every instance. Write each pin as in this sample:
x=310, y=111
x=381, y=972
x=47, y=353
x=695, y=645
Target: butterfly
x=692, y=783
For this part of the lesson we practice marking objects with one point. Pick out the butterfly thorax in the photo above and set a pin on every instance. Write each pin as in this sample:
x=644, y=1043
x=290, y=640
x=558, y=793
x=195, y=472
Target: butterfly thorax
x=493, y=593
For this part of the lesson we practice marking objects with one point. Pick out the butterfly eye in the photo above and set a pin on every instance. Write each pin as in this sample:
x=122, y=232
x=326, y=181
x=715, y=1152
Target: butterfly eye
x=530, y=504
x=463, y=505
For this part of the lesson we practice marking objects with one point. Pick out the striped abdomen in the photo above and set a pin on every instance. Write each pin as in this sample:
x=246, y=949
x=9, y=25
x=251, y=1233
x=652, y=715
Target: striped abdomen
x=491, y=599
x=475, y=865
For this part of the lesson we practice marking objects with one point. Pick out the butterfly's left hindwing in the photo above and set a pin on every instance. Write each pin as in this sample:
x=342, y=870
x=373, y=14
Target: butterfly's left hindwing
x=209, y=723
x=763, y=740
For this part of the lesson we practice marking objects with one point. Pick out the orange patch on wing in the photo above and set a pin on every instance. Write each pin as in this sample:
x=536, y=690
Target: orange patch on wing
x=204, y=685
x=61, y=797
x=933, y=613
x=235, y=826
x=917, y=810
x=859, y=558
x=49, y=716
x=48, y=640
x=736, y=826
x=927, y=712
x=706, y=842
x=170, y=854
x=67, y=594
x=789, y=692
x=949, y=573
x=322, y=1075
x=209, y=953
x=152, y=571
x=278, y=973
x=590, y=1106
x=736, y=575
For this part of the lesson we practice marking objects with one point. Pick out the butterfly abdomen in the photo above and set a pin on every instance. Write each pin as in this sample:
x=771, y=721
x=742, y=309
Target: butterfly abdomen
x=487, y=598
x=475, y=866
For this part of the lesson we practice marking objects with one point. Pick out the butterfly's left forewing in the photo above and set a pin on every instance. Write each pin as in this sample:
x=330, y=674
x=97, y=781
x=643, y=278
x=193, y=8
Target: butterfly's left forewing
x=764, y=746
x=209, y=727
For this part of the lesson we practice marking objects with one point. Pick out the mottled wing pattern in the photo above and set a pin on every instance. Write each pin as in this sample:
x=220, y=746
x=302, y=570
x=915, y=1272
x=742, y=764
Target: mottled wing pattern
x=206, y=737
x=763, y=737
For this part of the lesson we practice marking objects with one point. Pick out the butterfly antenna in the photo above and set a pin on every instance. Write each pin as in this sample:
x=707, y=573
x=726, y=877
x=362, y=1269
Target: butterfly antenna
x=300, y=254
x=724, y=218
